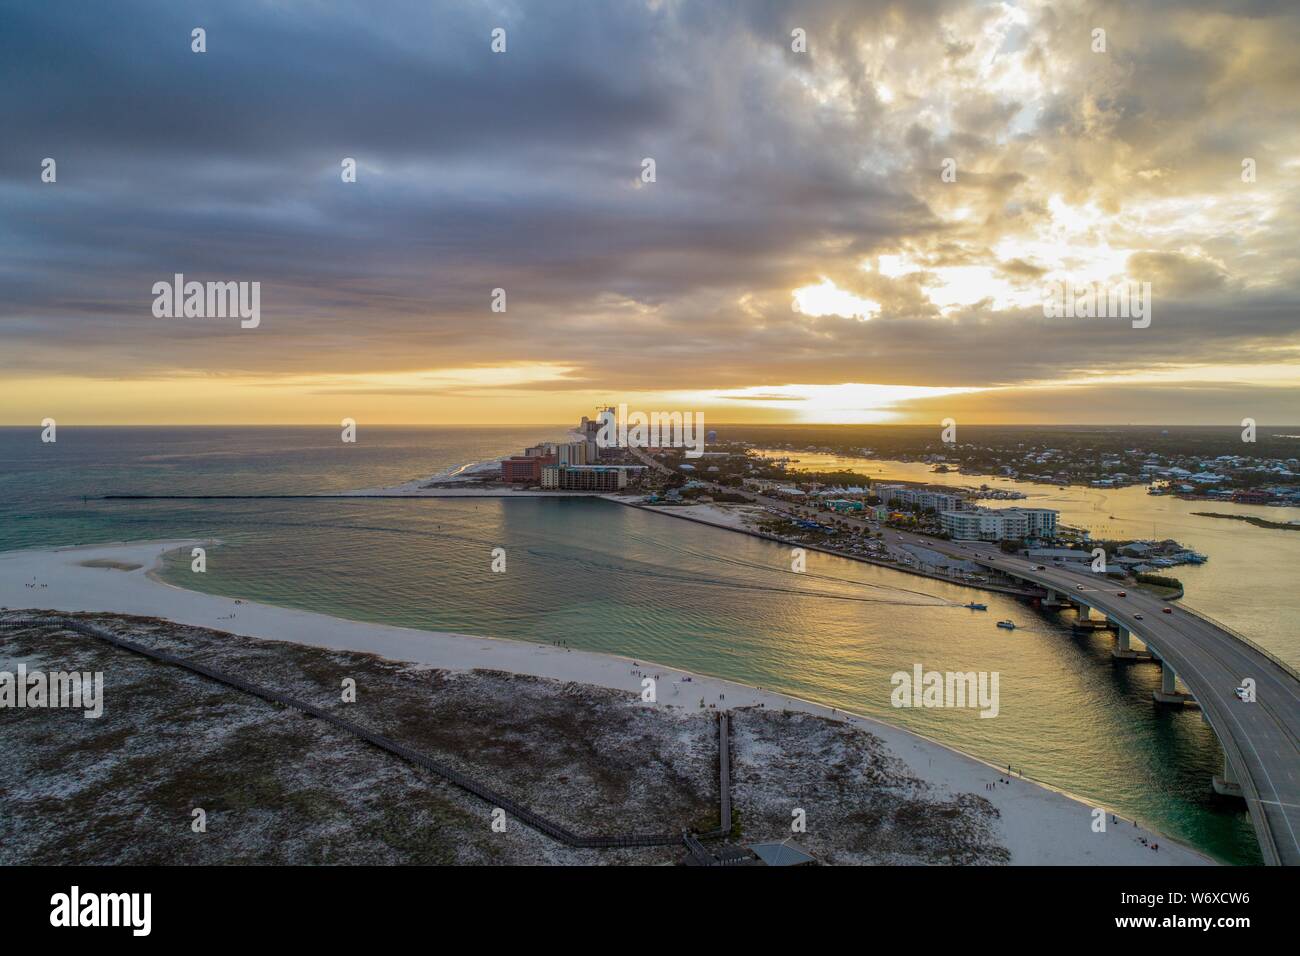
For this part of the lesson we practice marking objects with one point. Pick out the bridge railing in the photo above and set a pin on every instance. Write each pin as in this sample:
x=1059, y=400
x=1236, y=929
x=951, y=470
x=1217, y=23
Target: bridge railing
x=1243, y=638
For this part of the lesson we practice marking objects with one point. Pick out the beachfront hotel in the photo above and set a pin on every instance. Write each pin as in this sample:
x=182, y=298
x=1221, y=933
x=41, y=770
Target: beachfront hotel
x=584, y=478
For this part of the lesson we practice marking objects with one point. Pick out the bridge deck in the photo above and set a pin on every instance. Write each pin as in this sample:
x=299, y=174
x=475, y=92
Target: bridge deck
x=1261, y=739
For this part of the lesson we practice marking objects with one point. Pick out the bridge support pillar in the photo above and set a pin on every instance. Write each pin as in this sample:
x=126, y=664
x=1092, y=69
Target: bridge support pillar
x=1122, y=651
x=1168, y=693
x=1085, y=612
x=1055, y=600
x=1227, y=785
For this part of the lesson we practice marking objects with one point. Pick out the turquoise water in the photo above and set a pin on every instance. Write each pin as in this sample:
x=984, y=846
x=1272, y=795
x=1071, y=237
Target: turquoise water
x=610, y=578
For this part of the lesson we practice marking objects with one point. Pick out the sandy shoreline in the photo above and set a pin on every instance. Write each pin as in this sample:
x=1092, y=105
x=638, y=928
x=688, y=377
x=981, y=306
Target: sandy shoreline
x=1039, y=825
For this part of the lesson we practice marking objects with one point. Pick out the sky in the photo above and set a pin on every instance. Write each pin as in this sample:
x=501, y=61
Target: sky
x=856, y=212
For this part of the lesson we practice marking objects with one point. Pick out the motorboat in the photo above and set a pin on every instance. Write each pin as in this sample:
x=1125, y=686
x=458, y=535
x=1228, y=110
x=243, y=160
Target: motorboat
x=1009, y=625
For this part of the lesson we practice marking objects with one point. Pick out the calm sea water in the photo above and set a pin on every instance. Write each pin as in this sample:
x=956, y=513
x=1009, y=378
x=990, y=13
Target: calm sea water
x=610, y=578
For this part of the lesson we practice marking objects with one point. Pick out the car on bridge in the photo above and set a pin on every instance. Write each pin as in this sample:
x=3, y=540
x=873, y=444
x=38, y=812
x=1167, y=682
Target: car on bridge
x=1166, y=610
x=1137, y=617
x=1121, y=594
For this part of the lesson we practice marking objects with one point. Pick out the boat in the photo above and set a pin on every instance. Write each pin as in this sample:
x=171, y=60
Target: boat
x=1009, y=625
x=976, y=607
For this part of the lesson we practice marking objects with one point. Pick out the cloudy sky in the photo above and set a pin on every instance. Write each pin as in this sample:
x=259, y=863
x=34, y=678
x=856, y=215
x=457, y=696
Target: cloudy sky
x=798, y=257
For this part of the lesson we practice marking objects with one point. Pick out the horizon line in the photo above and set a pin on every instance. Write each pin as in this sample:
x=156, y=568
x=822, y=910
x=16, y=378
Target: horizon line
x=1039, y=425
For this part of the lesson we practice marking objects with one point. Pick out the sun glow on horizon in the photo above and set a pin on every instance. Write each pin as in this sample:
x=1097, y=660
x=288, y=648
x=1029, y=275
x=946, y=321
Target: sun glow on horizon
x=848, y=403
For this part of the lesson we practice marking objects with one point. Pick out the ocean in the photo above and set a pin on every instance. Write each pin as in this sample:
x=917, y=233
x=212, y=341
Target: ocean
x=606, y=577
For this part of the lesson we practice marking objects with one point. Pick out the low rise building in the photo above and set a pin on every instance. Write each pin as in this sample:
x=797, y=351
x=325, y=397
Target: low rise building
x=1002, y=524
x=1061, y=554
x=844, y=504
x=924, y=499
x=599, y=478
x=1040, y=522
x=525, y=468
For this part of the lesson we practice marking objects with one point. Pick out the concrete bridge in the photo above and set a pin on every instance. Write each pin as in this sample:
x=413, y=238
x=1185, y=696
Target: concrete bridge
x=1259, y=739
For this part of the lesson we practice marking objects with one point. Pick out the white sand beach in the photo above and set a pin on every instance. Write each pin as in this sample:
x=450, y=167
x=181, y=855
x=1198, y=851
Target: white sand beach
x=1038, y=825
x=734, y=517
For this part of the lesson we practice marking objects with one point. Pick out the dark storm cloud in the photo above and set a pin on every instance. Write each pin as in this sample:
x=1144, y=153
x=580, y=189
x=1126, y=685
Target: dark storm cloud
x=286, y=81
x=477, y=170
x=520, y=171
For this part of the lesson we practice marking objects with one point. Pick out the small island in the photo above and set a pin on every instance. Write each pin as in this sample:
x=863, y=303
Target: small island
x=1250, y=519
